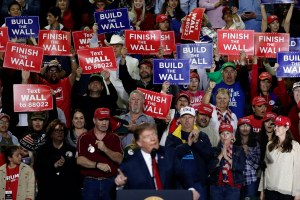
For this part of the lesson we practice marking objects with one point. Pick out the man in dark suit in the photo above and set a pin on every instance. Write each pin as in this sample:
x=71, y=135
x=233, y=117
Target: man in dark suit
x=137, y=172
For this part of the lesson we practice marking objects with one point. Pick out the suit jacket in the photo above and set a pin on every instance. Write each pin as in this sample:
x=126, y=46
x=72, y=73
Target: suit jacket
x=138, y=175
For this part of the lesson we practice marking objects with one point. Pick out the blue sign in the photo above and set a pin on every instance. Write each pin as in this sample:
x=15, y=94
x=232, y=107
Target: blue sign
x=289, y=64
x=276, y=1
x=200, y=55
x=23, y=26
x=176, y=71
x=294, y=44
x=113, y=20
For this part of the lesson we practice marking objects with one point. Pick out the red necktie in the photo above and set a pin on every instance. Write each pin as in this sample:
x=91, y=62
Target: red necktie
x=156, y=174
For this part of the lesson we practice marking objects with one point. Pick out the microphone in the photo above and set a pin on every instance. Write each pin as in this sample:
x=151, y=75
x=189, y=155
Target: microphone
x=153, y=153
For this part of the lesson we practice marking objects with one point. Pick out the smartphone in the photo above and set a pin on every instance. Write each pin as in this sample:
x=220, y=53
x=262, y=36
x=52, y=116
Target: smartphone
x=248, y=12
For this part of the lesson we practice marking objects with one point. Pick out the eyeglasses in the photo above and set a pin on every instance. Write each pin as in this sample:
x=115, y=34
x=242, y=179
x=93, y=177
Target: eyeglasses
x=58, y=130
x=4, y=122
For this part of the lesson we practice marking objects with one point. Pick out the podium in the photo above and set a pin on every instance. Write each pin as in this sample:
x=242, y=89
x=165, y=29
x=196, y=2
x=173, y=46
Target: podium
x=154, y=195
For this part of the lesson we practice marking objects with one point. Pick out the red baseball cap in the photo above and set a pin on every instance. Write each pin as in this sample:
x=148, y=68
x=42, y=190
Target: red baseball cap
x=265, y=75
x=257, y=101
x=272, y=18
x=102, y=113
x=161, y=18
x=182, y=94
x=2, y=115
x=194, y=75
x=244, y=120
x=225, y=127
x=270, y=115
x=282, y=121
x=205, y=109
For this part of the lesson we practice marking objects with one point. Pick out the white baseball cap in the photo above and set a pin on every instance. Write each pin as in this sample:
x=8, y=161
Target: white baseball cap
x=187, y=111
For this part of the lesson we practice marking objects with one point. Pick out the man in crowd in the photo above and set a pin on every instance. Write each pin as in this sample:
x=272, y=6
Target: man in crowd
x=135, y=116
x=193, y=148
x=99, y=155
x=203, y=117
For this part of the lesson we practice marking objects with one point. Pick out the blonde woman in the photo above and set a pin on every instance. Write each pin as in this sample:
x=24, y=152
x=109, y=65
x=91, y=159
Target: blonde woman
x=141, y=19
x=221, y=112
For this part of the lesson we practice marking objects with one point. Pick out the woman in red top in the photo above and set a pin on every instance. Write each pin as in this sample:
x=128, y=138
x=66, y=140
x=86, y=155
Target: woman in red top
x=66, y=14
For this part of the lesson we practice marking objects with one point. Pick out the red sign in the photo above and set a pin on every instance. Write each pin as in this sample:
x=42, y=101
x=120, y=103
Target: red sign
x=236, y=59
x=3, y=38
x=268, y=44
x=32, y=97
x=55, y=42
x=23, y=57
x=168, y=42
x=94, y=60
x=157, y=105
x=232, y=42
x=191, y=26
x=142, y=42
x=82, y=39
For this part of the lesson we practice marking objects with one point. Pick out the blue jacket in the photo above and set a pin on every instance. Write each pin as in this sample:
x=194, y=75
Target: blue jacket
x=238, y=165
x=194, y=158
x=138, y=175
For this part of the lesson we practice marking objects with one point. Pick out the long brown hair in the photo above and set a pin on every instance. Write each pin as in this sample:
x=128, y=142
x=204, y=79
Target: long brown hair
x=286, y=146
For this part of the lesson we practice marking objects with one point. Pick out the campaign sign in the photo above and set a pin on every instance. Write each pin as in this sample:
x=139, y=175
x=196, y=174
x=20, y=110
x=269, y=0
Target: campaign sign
x=3, y=38
x=157, y=105
x=168, y=42
x=200, y=54
x=32, y=98
x=191, y=26
x=268, y=44
x=94, y=60
x=176, y=71
x=232, y=42
x=276, y=1
x=236, y=59
x=289, y=64
x=55, y=42
x=82, y=39
x=294, y=44
x=23, y=26
x=142, y=42
x=23, y=57
x=113, y=20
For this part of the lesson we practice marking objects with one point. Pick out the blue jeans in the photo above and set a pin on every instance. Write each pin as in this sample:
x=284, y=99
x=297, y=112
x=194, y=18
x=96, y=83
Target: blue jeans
x=95, y=189
x=250, y=190
x=224, y=193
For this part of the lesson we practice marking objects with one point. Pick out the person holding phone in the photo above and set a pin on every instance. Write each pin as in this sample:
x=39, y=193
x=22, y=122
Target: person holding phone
x=249, y=10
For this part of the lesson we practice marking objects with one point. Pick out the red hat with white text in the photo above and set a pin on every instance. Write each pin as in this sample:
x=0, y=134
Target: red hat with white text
x=102, y=113
x=282, y=121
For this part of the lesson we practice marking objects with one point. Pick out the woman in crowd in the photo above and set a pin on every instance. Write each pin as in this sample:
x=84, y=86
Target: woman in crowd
x=232, y=19
x=226, y=167
x=221, y=112
x=282, y=175
x=262, y=86
x=245, y=137
x=78, y=127
x=173, y=10
x=271, y=23
x=141, y=19
x=67, y=17
x=20, y=180
x=56, y=170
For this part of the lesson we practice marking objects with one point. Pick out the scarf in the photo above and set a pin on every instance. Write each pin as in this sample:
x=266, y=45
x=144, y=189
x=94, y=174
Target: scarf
x=226, y=167
x=177, y=133
x=227, y=118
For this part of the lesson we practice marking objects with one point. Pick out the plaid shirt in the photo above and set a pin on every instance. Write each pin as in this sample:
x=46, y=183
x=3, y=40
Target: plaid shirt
x=252, y=163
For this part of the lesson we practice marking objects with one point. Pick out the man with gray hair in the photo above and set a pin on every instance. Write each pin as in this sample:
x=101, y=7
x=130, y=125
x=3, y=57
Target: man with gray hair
x=135, y=116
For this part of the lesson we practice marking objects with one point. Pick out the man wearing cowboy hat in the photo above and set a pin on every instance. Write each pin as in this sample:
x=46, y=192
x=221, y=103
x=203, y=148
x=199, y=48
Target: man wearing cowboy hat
x=117, y=42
